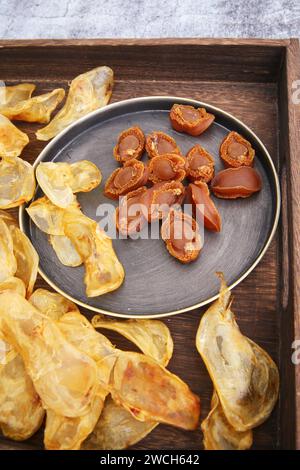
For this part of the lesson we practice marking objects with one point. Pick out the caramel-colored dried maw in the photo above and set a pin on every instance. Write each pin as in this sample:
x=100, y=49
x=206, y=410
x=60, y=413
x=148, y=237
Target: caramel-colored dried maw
x=130, y=217
x=158, y=199
x=89, y=91
x=17, y=182
x=218, y=432
x=193, y=121
x=159, y=143
x=8, y=262
x=65, y=250
x=197, y=194
x=11, y=95
x=200, y=164
x=132, y=175
x=131, y=144
x=26, y=257
x=181, y=235
x=103, y=271
x=64, y=378
x=12, y=140
x=236, y=182
x=168, y=167
x=36, y=109
x=150, y=392
x=152, y=337
x=244, y=376
x=51, y=304
x=236, y=151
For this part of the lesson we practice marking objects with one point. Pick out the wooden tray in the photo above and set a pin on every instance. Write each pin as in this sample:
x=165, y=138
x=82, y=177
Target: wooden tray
x=251, y=79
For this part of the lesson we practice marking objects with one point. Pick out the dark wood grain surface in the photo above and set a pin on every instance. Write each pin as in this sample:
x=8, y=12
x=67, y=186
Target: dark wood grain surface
x=250, y=79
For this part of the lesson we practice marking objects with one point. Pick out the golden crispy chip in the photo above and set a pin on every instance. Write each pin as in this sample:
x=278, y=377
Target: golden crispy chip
x=117, y=429
x=103, y=271
x=64, y=378
x=60, y=181
x=218, y=432
x=230, y=359
x=17, y=182
x=88, y=91
x=13, y=284
x=27, y=258
x=65, y=250
x=21, y=412
x=152, y=337
x=11, y=95
x=8, y=218
x=48, y=217
x=12, y=140
x=8, y=263
x=51, y=304
x=150, y=392
x=36, y=109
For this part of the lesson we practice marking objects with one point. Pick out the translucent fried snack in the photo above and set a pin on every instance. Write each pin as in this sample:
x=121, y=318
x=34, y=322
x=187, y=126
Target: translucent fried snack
x=36, y=109
x=152, y=337
x=51, y=304
x=103, y=271
x=26, y=257
x=64, y=377
x=218, y=432
x=8, y=263
x=13, y=284
x=12, y=140
x=17, y=182
x=11, y=95
x=65, y=250
x=245, y=377
x=60, y=181
x=8, y=218
x=88, y=91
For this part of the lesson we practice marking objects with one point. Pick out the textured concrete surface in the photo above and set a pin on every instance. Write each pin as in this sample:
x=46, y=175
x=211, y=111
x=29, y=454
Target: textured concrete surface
x=149, y=18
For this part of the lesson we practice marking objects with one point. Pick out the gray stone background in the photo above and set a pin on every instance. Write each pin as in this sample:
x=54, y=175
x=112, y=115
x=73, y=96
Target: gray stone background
x=20, y=19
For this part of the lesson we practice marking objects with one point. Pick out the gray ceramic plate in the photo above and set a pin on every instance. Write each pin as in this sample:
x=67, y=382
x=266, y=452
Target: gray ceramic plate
x=156, y=284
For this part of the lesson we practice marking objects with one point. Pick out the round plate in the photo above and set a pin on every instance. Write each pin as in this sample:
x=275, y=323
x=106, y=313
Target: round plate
x=155, y=283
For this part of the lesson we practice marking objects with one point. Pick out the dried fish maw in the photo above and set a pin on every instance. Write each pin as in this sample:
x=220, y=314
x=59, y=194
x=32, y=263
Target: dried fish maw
x=64, y=377
x=48, y=217
x=8, y=218
x=65, y=250
x=85, y=176
x=218, y=432
x=8, y=263
x=117, y=429
x=12, y=140
x=36, y=109
x=17, y=182
x=13, y=284
x=150, y=392
x=11, y=95
x=245, y=377
x=103, y=271
x=26, y=257
x=88, y=91
x=51, y=304
x=152, y=337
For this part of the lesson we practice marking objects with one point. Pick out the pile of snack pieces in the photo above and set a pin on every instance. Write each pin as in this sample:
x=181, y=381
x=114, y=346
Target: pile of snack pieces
x=165, y=172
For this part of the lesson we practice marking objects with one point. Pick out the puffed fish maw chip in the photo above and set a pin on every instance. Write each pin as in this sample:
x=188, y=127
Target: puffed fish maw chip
x=231, y=358
x=52, y=304
x=12, y=140
x=218, y=432
x=17, y=182
x=13, y=284
x=8, y=218
x=36, y=109
x=89, y=91
x=8, y=262
x=11, y=95
x=65, y=250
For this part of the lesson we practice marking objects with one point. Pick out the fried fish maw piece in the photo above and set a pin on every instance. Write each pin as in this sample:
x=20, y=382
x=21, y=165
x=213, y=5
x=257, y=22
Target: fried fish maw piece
x=218, y=432
x=245, y=377
x=150, y=392
x=36, y=109
x=26, y=257
x=11, y=95
x=21, y=411
x=65, y=250
x=12, y=140
x=51, y=304
x=13, y=284
x=117, y=429
x=152, y=337
x=88, y=91
x=8, y=263
x=64, y=377
x=17, y=182
x=103, y=271
x=48, y=217
x=8, y=218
